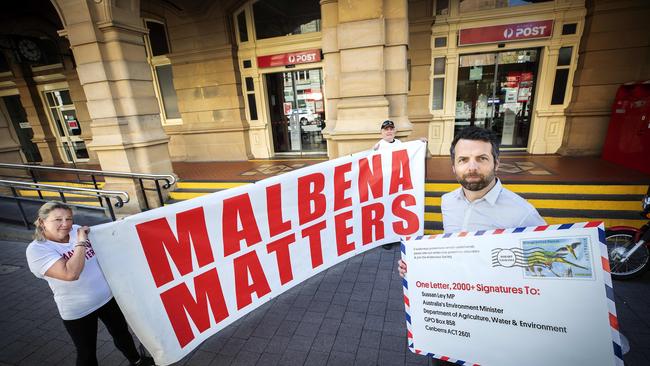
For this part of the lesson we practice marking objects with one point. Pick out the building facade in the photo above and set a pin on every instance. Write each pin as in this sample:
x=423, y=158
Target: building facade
x=134, y=85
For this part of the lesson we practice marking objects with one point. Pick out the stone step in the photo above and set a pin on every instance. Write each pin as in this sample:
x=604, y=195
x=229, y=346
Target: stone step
x=614, y=204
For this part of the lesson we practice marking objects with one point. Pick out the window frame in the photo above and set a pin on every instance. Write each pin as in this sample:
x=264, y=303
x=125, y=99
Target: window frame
x=154, y=62
x=247, y=9
x=548, y=3
x=247, y=19
x=65, y=152
x=569, y=77
x=438, y=76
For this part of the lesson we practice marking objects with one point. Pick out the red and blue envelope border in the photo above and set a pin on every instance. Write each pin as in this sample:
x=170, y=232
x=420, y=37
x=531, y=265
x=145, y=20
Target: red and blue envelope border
x=609, y=290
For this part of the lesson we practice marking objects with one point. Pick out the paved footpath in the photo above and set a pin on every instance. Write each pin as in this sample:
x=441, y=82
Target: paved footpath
x=351, y=314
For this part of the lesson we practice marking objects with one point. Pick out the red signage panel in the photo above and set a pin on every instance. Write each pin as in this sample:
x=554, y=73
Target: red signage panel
x=506, y=32
x=292, y=58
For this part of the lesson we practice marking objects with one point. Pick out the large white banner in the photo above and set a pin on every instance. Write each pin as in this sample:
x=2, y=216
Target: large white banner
x=524, y=296
x=183, y=272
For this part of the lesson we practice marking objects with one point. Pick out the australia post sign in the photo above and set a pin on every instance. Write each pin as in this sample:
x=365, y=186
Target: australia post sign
x=292, y=58
x=506, y=32
x=183, y=272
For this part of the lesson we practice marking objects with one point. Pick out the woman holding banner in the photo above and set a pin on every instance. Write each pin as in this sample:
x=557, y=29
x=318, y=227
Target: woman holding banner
x=62, y=255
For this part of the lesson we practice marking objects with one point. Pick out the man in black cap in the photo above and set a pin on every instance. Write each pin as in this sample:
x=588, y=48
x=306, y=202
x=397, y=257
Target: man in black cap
x=387, y=135
x=388, y=140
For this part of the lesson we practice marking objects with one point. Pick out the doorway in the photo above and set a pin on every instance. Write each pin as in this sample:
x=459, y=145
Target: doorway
x=496, y=91
x=297, y=113
x=68, y=129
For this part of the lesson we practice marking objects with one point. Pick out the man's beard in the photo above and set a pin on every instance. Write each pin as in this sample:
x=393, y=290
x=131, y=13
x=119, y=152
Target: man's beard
x=476, y=185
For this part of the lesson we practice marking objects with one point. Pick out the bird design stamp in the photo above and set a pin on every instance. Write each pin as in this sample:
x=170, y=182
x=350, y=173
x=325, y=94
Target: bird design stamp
x=554, y=258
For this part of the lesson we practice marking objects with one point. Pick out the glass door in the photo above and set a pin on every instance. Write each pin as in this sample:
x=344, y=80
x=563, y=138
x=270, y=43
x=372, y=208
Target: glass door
x=68, y=130
x=297, y=112
x=495, y=91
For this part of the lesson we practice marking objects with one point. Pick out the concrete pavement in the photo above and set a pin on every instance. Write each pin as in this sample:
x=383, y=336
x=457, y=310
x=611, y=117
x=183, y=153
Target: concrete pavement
x=351, y=314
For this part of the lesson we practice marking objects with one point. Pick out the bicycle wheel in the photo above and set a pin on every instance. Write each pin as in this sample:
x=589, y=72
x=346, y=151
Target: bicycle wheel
x=619, y=242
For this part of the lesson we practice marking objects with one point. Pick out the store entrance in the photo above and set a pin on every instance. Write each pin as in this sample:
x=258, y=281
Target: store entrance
x=68, y=130
x=496, y=91
x=297, y=113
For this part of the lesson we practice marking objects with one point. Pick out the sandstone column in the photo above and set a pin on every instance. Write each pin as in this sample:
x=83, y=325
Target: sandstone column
x=365, y=45
x=106, y=38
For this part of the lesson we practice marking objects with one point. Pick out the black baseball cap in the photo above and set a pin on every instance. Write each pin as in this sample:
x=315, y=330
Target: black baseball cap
x=387, y=123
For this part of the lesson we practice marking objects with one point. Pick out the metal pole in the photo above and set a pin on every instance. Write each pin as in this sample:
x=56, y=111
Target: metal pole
x=144, y=194
x=31, y=172
x=92, y=176
x=494, y=89
x=20, y=208
x=62, y=196
x=160, y=197
x=110, y=207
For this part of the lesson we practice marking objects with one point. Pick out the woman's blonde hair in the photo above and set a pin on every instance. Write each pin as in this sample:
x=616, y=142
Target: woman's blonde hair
x=43, y=213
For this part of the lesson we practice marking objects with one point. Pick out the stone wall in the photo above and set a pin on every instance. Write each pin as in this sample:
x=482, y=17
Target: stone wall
x=615, y=49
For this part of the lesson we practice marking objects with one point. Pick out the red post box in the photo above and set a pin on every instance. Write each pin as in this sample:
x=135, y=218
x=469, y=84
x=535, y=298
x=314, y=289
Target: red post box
x=628, y=135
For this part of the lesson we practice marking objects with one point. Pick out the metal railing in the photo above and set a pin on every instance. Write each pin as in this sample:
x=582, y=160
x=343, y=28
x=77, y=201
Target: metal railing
x=119, y=197
x=168, y=179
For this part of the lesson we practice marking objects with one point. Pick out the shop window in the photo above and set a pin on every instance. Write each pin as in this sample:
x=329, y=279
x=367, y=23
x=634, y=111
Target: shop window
x=278, y=18
x=476, y=5
x=442, y=7
x=496, y=91
x=242, y=27
x=250, y=95
x=302, y=75
x=561, y=75
x=157, y=47
x=438, y=89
